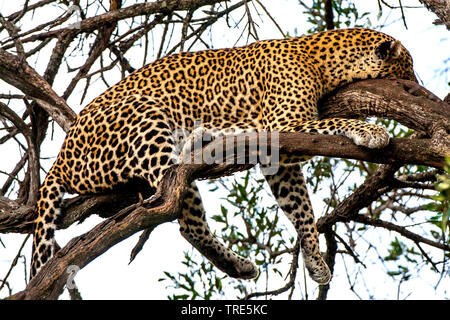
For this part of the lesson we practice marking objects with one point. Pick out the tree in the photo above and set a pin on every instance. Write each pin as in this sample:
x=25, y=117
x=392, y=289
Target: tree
x=102, y=46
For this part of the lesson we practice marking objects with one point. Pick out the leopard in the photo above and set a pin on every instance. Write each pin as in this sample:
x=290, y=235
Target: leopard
x=273, y=85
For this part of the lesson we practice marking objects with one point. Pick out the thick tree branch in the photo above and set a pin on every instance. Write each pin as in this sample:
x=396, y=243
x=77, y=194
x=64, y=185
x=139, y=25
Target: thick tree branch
x=17, y=218
x=393, y=99
x=441, y=8
x=164, y=206
x=18, y=73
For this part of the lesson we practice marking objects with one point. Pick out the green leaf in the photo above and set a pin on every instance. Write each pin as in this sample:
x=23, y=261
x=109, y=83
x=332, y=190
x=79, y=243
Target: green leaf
x=396, y=250
x=260, y=262
x=444, y=222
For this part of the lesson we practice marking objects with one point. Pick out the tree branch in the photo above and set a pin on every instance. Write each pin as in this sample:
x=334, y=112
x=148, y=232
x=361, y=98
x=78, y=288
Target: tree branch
x=441, y=8
x=164, y=206
x=96, y=22
x=18, y=73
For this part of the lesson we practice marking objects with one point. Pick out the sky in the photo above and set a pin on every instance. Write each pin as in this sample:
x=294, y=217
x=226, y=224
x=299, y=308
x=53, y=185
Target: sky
x=110, y=276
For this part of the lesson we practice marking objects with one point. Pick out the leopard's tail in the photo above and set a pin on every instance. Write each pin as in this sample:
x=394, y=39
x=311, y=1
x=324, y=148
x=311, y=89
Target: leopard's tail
x=48, y=210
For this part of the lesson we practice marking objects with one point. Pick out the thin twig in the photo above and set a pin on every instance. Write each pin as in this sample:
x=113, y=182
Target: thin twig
x=14, y=262
x=292, y=277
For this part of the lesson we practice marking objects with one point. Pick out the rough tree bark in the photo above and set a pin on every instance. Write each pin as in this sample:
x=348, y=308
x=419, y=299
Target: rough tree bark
x=385, y=98
x=441, y=8
x=124, y=210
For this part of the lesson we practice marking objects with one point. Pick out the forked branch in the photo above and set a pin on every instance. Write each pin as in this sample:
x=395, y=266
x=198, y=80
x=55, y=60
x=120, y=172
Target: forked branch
x=386, y=98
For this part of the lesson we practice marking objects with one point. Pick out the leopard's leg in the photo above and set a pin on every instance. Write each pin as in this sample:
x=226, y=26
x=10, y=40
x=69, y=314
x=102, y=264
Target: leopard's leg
x=195, y=230
x=362, y=133
x=193, y=225
x=149, y=154
x=289, y=189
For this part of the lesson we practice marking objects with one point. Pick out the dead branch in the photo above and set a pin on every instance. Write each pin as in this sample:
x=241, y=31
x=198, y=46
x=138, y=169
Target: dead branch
x=125, y=213
x=18, y=73
x=400, y=151
x=100, y=44
x=141, y=9
x=441, y=8
x=164, y=205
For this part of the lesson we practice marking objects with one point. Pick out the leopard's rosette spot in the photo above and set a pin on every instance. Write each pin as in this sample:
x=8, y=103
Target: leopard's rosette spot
x=128, y=131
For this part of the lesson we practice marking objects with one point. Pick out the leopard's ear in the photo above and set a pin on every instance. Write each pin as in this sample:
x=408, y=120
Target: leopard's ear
x=388, y=50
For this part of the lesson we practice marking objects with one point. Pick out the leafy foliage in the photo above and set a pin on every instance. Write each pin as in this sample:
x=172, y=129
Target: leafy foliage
x=248, y=228
x=346, y=13
x=420, y=198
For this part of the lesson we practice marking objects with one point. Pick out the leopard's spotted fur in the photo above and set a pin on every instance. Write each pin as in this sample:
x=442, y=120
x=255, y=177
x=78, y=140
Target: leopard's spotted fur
x=270, y=85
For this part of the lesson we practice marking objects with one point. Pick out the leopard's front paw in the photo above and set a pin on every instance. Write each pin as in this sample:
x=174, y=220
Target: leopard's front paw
x=370, y=136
